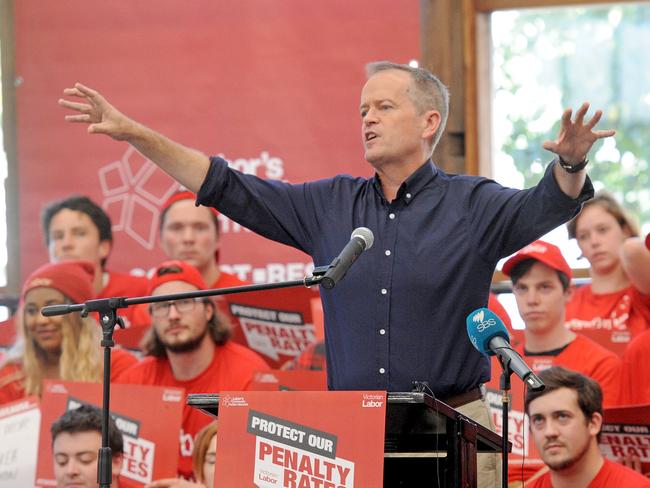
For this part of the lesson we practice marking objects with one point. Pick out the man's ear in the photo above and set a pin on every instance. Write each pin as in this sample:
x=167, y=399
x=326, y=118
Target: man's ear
x=432, y=121
x=595, y=423
x=105, y=248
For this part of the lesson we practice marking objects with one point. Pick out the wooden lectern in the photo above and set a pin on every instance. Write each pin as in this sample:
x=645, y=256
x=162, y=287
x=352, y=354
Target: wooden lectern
x=427, y=443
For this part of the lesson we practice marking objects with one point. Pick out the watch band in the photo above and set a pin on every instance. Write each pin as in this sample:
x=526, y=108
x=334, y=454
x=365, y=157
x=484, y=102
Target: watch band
x=572, y=168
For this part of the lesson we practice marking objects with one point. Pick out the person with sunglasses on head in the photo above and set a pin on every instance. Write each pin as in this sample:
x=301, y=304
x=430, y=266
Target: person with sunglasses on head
x=188, y=347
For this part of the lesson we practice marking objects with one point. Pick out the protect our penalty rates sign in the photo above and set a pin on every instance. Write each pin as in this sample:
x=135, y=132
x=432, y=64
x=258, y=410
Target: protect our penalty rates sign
x=301, y=439
x=626, y=433
x=149, y=418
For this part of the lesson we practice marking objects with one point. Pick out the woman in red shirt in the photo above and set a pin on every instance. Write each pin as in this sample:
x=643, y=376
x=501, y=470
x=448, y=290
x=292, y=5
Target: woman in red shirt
x=616, y=306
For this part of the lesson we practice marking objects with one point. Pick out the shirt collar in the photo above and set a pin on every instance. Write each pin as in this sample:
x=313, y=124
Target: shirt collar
x=413, y=184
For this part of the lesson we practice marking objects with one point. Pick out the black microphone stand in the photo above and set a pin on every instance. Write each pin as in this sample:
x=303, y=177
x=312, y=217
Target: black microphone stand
x=504, y=384
x=108, y=318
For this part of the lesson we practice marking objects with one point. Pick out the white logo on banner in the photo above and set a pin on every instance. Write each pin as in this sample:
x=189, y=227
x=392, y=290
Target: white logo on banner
x=134, y=189
x=286, y=466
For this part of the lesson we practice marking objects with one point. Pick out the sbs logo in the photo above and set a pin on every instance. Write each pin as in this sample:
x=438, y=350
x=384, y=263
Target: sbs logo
x=486, y=324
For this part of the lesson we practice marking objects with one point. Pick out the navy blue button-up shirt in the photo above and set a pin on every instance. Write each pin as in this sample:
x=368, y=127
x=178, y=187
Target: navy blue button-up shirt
x=399, y=314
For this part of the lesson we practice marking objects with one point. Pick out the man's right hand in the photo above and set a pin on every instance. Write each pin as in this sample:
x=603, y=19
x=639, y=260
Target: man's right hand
x=101, y=116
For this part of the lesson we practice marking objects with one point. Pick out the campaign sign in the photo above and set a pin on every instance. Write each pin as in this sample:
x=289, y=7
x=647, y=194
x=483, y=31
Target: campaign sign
x=277, y=324
x=19, y=427
x=289, y=380
x=626, y=433
x=301, y=439
x=150, y=426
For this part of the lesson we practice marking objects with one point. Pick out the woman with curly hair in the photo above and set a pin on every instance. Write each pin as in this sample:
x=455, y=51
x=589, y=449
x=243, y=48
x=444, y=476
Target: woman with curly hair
x=64, y=347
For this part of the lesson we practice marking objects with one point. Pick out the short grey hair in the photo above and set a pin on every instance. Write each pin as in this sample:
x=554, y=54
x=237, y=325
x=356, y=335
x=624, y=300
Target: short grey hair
x=429, y=92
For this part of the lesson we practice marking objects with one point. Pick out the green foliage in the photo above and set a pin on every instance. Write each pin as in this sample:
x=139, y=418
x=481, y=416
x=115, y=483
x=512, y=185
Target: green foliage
x=569, y=55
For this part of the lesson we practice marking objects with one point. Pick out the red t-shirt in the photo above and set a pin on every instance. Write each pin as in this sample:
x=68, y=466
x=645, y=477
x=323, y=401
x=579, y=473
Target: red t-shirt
x=231, y=369
x=12, y=376
x=141, y=317
x=635, y=383
x=610, y=319
x=125, y=285
x=586, y=357
x=610, y=475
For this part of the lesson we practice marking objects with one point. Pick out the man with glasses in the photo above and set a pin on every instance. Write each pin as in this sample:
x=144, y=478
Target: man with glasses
x=188, y=347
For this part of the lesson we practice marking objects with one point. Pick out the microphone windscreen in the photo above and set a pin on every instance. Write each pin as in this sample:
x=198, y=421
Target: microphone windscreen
x=647, y=241
x=364, y=234
x=482, y=326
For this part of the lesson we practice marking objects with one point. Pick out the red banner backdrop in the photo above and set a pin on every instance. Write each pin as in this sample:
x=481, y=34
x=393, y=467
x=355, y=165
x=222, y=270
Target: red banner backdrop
x=273, y=86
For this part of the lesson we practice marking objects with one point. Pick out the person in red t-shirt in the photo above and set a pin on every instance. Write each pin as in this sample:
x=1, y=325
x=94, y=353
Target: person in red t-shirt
x=189, y=348
x=78, y=228
x=76, y=439
x=190, y=233
x=540, y=283
x=635, y=383
x=65, y=347
x=565, y=421
x=615, y=307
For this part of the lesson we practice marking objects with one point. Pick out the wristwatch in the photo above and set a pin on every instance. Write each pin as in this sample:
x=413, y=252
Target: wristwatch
x=572, y=168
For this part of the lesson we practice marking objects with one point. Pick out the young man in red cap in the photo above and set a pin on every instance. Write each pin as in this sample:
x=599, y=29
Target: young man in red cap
x=190, y=233
x=188, y=347
x=540, y=281
x=565, y=422
x=78, y=228
x=541, y=278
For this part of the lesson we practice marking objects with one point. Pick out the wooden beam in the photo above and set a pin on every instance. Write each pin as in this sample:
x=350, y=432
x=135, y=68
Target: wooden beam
x=492, y=5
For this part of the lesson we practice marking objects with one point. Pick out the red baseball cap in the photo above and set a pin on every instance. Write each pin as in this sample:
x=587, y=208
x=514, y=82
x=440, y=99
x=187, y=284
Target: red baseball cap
x=72, y=278
x=176, y=271
x=543, y=252
x=183, y=195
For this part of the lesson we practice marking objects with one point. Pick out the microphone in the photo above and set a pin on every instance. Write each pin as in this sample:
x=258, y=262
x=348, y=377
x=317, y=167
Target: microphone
x=488, y=334
x=647, y=241
x=360, y=240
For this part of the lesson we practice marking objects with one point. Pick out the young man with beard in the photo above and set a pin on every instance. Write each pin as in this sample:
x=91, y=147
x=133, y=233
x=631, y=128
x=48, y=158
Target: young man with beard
x=188, y=347
x=565, y=422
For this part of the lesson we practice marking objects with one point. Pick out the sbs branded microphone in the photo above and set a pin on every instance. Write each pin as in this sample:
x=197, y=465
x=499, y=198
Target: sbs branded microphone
x=360, y=240
x=488, y=334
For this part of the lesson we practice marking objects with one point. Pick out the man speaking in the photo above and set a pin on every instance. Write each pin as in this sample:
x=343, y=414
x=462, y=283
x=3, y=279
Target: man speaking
x=399, y=314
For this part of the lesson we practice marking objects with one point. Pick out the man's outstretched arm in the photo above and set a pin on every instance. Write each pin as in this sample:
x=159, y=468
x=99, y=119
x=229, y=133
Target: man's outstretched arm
x=187, y=166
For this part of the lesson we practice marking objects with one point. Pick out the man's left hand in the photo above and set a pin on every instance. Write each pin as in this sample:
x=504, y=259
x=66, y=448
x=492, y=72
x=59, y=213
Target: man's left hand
x=577, y=136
